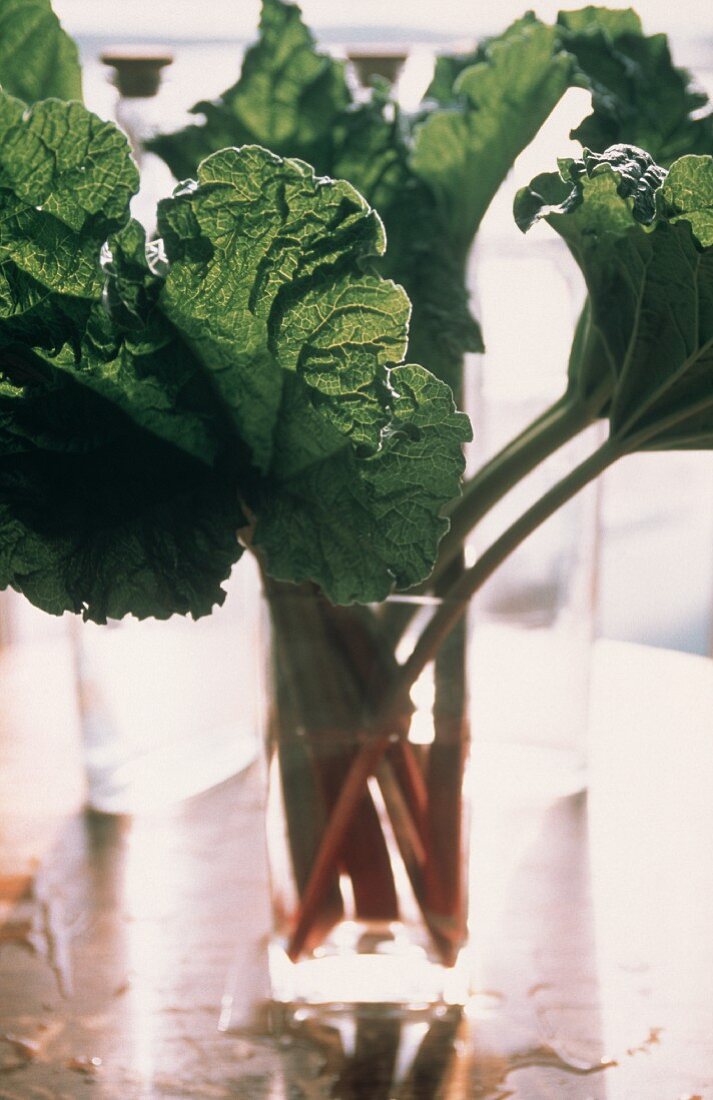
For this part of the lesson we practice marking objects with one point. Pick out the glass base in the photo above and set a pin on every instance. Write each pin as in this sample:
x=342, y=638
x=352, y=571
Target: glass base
x=141, y=782
x=393, y=970
x=527, y=772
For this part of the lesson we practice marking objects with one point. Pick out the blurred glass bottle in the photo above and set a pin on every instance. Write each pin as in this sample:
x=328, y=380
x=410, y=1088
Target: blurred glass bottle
x=168, y=709
x=139, y=112
x=534, y=620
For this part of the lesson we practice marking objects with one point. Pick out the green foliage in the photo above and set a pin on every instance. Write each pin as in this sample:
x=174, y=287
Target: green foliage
x=638, y=96
x=465, y=152
x=96, y=514
x=432, y=176
x=368, y=144
x=37, y=59
x=351, y=457
x=146, y=400
x=644, y=241
x=289, y=98
x=65, y=183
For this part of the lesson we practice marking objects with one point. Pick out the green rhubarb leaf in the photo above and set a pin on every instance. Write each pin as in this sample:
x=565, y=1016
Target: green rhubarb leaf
x=131, y=527
x=373, y=151
x=367, y=144
x=624, y=171
x=269, y=282
x=288, y=99
x=38, y=60
x=687, y=195
x=446, y=71
x=66, y=179
x=360, y=524
x=266, y=277
x=464, y=153
x=96, y=514
x=638, y=96
x=649, y=325
x=258, y=363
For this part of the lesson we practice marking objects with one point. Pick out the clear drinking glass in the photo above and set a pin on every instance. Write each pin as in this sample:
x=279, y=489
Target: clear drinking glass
x=534, y=619
x=532, y=638
x=168, y=709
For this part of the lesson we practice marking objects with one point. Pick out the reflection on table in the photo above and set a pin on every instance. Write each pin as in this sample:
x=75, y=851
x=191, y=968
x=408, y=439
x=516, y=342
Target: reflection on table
x=592, y=918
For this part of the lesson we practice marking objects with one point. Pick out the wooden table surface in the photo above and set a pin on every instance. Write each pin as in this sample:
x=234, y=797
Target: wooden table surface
x=593, y=927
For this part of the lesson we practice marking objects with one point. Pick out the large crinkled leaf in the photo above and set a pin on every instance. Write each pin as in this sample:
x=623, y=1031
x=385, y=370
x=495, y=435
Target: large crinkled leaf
x=97, y=515
x=650, y=325
x=66, y=179
x=288, y=98
x=38, y=60
x=265, y=276
x=360, y=524
x=628, y=172
x=269, y=281
x=373, y=152
x=132, y=527
x=464, y=153
x=104, y=506
x=131, y=357
x=135, y=359
x=638, y=96
x=687, y=195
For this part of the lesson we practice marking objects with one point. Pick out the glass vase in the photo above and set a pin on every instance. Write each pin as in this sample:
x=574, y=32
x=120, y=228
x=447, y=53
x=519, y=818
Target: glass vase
x=535, y=618
x=367, y=819
x=533, y=631
x=163, y=706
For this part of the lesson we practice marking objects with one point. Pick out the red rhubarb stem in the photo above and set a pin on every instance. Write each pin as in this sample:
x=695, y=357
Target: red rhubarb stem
x=332, y=840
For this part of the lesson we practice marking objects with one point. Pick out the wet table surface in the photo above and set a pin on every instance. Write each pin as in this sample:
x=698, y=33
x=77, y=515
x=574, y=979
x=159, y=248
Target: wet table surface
x=593, y=928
